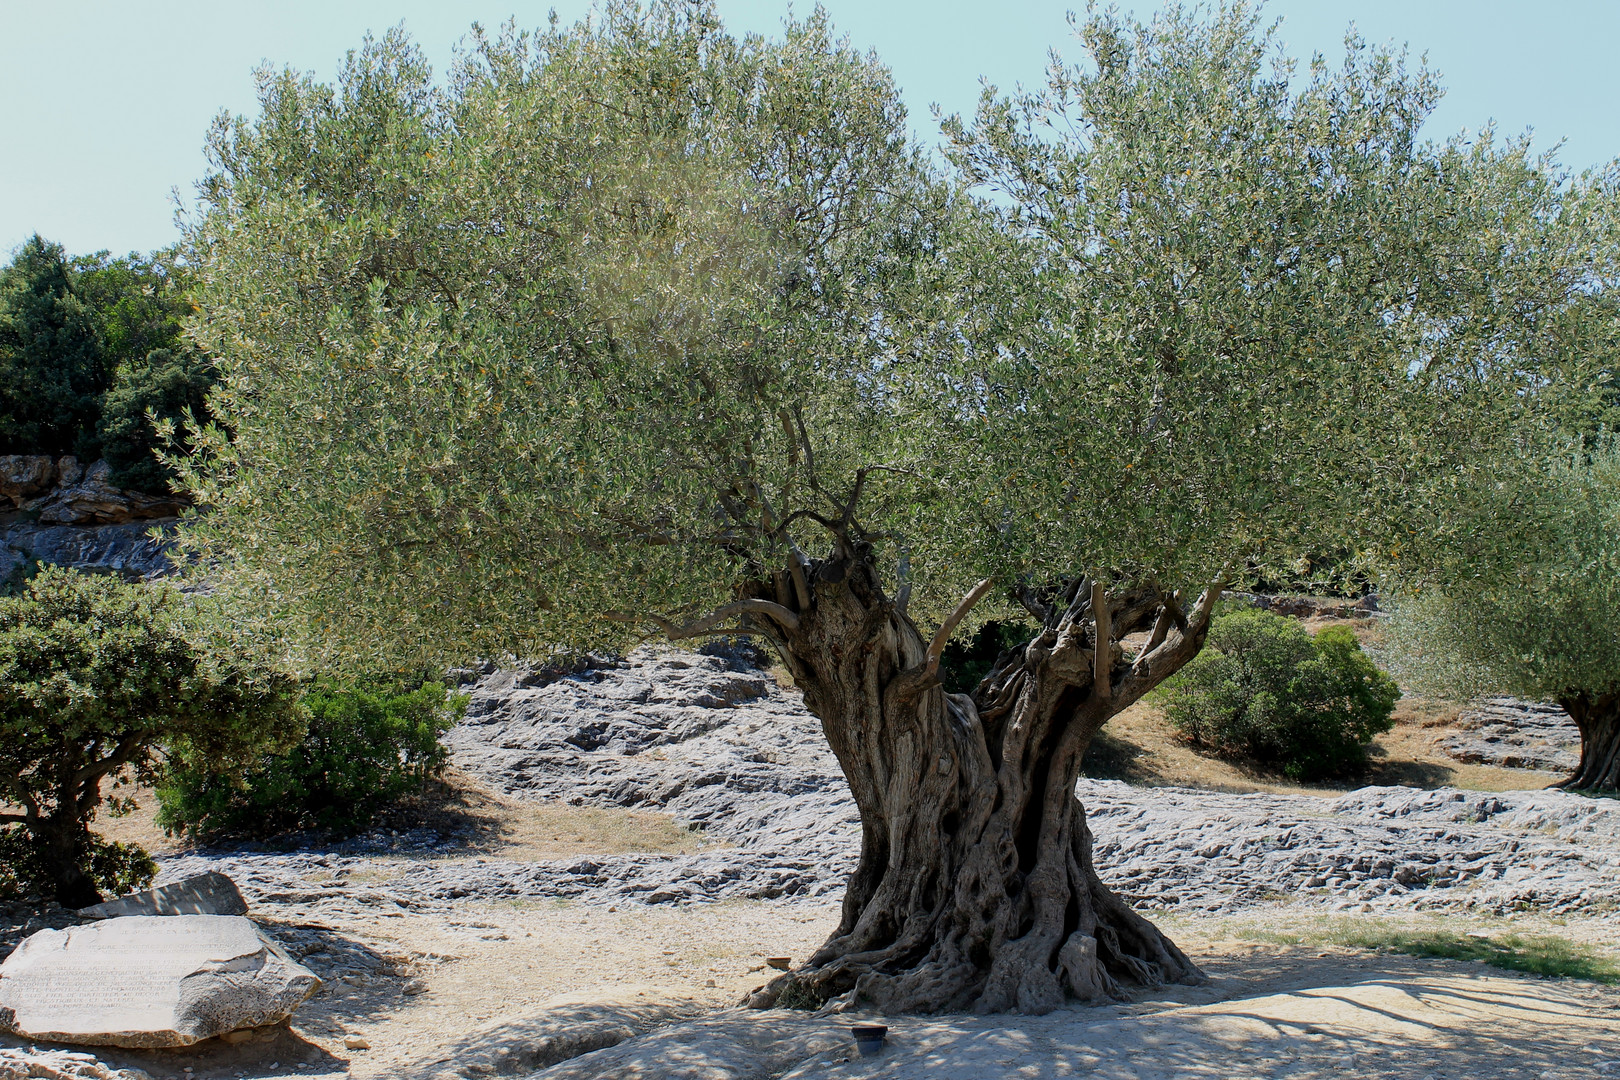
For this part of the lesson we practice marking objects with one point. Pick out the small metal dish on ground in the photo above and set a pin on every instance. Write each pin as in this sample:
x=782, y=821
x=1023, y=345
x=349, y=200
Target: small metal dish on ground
x=780, y=963
x=869, y=1038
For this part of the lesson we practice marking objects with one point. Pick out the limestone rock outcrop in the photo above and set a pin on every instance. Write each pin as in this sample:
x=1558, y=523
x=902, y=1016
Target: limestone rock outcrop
x=1514, y=734
x=23, y=476
x=62, y=491
x=93, y=500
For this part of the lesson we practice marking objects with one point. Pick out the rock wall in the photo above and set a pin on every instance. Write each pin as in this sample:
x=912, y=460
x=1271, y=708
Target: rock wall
x=59, y=511
x=129, y=549
x=61, y=491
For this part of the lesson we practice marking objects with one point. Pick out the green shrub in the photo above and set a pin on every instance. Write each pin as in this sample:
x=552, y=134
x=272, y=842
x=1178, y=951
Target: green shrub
x=98, y=679
x=1266, y=691
x=366, y=747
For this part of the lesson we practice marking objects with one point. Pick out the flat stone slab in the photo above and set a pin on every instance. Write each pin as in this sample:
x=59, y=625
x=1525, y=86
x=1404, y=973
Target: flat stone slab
x=149, y=981
x=201, y=894
x=35, y=1064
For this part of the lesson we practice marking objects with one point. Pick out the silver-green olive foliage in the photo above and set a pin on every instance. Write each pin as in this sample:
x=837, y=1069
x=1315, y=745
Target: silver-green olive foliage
x=1527, y=601
x=607, y=323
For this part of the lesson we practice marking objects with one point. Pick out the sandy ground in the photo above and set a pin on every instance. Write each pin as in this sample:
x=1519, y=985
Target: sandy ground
x=470, y=992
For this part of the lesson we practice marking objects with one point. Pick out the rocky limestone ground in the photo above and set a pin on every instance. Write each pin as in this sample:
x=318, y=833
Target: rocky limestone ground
x=714, y=741
x=1514, y=734
x=444, y=957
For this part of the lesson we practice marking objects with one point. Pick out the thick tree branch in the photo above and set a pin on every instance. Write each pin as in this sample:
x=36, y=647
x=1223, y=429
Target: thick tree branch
x=902, y=574
x=118, y=758
x=709, y=622
x=1205, y=608
x=1155, y=664
x=1161, y=628
x=936, y=647
x=1102, y=651
x=800, y=585
x=1033, y=604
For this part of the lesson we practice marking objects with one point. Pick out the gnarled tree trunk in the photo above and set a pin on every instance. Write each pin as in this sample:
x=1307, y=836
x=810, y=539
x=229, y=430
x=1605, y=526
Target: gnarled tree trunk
x=1598, y=719
x=976, y=887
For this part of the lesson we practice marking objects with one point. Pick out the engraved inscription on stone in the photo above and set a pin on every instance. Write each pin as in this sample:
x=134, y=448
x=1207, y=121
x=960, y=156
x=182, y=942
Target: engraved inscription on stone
x=120, y=982
x=96, y=990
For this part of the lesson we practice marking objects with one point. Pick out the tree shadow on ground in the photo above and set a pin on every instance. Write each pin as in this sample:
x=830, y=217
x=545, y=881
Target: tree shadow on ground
x=260, y=1052
x=1406, y=773
x=1112, y=758
x=557, y=1032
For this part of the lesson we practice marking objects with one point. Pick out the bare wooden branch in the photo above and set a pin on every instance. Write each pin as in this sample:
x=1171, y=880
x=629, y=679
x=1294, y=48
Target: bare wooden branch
x=936, y=648
x=925, y=675
x=1102, y=651
x=800, y=586
x=1205, y=608
x=1161, y=630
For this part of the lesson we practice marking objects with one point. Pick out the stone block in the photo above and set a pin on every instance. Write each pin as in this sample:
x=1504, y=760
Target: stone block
x=202, y=894
x=145, y=981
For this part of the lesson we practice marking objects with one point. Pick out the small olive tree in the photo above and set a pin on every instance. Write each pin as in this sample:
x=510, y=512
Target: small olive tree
x=1526, y=601
x=634, y=328
x=97, y=678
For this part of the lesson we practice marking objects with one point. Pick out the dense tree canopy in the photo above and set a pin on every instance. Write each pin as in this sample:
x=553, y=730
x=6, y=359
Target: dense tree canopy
x=52, y=371
x=634, y=327
x=89, y=346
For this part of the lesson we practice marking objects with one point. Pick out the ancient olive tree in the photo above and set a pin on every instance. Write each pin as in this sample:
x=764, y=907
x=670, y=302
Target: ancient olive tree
x=1527, y=602
x=634, y=328
x=98, y=679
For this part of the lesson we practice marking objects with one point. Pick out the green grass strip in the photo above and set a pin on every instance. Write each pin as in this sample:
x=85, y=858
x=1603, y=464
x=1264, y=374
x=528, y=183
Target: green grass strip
x=1553, y=957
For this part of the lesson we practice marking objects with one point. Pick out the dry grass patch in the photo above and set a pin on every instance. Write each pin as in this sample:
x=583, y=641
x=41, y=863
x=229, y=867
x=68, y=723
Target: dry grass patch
x=529, y=829
x=1550, y=955
x=489, y=822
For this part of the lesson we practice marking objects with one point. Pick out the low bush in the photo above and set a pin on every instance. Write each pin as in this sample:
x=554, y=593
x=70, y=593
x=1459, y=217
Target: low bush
x=99, y=681
x=1264, y=690
x=367, y=746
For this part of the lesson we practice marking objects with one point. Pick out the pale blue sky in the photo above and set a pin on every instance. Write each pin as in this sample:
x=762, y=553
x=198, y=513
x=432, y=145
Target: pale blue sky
x=104, y=103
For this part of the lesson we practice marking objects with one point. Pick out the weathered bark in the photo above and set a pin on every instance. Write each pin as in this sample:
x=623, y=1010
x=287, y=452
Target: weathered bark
x=1598, y=719
x=976, y=887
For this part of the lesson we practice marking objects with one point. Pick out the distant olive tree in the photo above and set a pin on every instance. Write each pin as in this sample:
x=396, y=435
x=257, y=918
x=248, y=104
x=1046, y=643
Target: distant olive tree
x=634, y=328
x=98, y=679
x=1526, y=600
